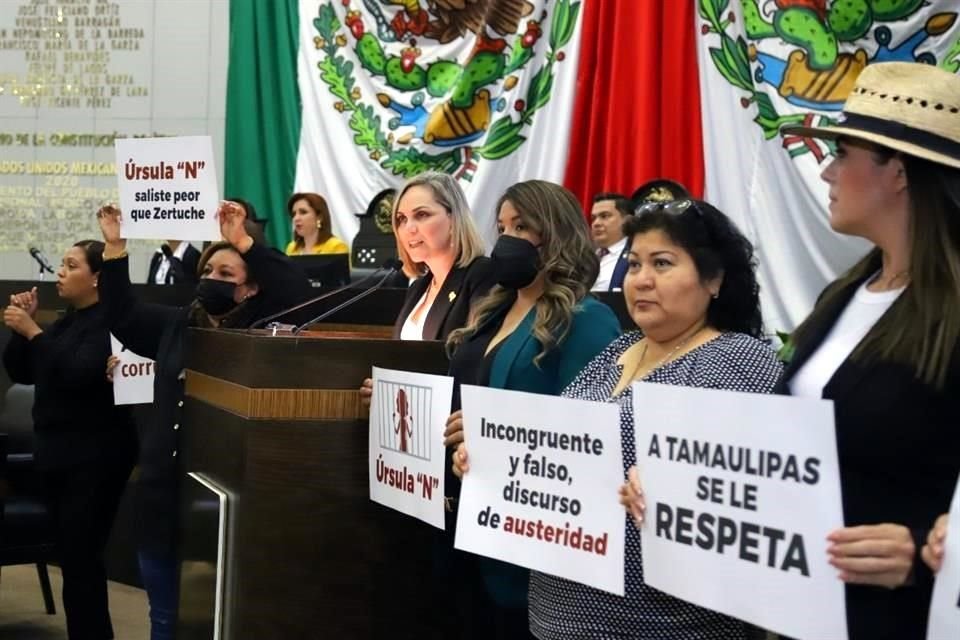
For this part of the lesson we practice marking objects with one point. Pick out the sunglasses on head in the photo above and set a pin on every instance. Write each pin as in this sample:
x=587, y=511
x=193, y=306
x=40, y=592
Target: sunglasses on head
x=671, y=207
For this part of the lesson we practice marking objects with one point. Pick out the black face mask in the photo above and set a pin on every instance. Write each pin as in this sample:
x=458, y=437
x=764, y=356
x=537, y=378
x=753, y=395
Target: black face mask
x=516, y=262
x=216, y=296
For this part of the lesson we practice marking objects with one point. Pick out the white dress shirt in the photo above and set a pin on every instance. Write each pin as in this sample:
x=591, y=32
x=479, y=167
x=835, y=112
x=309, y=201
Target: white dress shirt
x=608, y=262
x=161, y=277
x=413, y=329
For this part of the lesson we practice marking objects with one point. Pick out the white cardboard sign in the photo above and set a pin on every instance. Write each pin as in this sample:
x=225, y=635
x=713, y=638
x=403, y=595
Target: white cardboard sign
x=132, y=377
x=407, y=457
x=742, y=490
x=945, y=605
x=541, y=491
x=168, y=188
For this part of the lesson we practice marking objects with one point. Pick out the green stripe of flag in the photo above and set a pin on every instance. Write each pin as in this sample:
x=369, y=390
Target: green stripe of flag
x=263, y=109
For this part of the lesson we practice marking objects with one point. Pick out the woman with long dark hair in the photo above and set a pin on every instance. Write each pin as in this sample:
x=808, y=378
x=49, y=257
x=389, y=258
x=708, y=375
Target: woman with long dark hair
x=85, y=446
x=533, y=332
x=883, y=340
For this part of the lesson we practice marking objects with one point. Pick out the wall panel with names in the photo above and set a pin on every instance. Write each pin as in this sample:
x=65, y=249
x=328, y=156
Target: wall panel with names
x=75, y=75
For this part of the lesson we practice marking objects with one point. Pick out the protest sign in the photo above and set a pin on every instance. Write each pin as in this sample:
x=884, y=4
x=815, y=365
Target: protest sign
x=741, y=491
x=541, y=491
x=408, y=414
x=132, y=377
x=945, y=605
x=168, y=188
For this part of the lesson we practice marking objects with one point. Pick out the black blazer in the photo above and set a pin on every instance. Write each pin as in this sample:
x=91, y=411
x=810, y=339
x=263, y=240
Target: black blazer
x=181, y=271
x=159, y=332
x=898, y=442
x=74, y=417
x=450, y=309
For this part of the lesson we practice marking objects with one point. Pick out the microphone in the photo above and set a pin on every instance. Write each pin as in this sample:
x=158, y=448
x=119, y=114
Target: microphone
x=41, y=260
x=391, y=264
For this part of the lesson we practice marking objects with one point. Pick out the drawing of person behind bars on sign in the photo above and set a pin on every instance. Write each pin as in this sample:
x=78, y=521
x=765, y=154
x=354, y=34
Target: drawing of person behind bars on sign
x=404, y=428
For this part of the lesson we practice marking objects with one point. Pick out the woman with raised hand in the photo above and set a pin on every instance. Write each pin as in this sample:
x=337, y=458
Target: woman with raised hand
x=241, y=281
x=535, y=331
x=85, y=445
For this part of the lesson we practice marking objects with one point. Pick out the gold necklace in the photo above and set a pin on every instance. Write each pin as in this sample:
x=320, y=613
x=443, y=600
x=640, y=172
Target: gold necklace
x=666, y=358
x=891, y=280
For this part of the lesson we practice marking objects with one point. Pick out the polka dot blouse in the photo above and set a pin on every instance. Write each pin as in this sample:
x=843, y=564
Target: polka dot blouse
x=562, y=609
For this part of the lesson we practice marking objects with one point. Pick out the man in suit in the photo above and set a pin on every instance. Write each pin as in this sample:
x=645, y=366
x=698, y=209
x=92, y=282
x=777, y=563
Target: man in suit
x=175, y=262
x=609, y=212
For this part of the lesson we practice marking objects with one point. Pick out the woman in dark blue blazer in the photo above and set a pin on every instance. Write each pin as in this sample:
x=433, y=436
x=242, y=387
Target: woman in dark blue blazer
x=533, y=332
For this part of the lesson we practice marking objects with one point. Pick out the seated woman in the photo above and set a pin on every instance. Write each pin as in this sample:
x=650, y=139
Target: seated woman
x=85, y=446
x=883, y=340
x=312, y=228
x=240, y=282
x=533, y=332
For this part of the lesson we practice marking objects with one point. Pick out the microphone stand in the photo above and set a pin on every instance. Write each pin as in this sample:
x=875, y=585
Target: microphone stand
x=323, y=296
x=346, y=303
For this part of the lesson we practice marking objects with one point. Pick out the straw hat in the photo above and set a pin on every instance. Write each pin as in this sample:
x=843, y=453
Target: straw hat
x=907, y=106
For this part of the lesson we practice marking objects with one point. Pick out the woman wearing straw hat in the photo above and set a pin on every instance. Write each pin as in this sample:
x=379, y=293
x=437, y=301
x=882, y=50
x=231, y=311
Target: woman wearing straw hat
x=883, y=340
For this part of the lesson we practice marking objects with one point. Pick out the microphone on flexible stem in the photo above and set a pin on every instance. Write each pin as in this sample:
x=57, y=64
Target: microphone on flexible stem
x=41, y=260
x=392, y=265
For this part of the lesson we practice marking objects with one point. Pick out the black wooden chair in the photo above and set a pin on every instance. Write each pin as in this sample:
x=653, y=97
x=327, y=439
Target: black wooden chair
x=26, y=526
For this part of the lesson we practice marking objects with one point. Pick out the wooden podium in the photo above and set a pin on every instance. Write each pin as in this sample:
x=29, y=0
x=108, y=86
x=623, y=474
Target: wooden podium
x=280, y=539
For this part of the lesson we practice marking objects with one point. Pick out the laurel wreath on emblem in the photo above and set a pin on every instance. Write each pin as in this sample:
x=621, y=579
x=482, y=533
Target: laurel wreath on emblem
x=732, y=60
x=488, y=68
x=817, y=74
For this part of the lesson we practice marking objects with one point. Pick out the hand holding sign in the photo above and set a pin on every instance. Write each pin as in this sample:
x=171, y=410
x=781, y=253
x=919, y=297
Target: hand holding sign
x=879, y=554
x=231, y=216
x=112, y=362
x=108, y=216
x=460, y=466
x=631, y=496
x=932, y=551
x=453, y=434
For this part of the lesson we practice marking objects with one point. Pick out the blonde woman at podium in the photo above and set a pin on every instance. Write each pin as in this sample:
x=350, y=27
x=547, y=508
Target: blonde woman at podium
x=439, y=245
x=241, y=281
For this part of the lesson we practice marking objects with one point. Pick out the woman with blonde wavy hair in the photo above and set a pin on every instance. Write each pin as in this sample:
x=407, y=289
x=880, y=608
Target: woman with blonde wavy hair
x=535, y=330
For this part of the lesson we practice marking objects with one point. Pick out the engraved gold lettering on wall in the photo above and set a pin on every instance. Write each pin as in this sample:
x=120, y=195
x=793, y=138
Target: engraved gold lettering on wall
x=63, y=63
x=67, y=45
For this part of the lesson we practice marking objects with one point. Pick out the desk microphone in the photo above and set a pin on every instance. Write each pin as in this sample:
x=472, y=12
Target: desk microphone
x=41, y=260
x=392, y=265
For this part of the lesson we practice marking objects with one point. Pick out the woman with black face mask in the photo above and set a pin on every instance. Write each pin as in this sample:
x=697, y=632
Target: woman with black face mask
x=533, y=332
x=240, y=282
